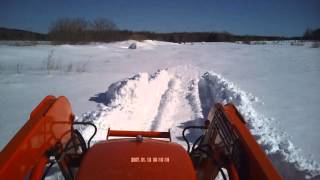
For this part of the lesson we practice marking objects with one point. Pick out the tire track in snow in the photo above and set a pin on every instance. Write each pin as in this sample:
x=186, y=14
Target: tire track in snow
x=165, y=100
x=180, y=105
x=167, y=107
x=133, y=103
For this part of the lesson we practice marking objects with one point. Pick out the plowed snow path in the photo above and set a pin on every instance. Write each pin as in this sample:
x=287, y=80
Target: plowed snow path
x=178, y=97
x=159, y=102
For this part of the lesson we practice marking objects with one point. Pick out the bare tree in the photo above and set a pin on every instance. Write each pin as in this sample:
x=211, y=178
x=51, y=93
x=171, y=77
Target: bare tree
x=69, y=29
x=69, y=25
x=103, y=24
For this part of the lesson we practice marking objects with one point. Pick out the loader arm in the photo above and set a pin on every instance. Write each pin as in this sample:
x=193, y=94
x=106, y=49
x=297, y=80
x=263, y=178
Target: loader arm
x=227, y=143
x=49, y=126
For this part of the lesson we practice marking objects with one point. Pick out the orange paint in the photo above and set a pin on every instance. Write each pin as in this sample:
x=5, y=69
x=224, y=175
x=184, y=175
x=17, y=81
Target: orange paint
x=258, y=166
x=153, y=134
x=49, y=123
x=131, y=159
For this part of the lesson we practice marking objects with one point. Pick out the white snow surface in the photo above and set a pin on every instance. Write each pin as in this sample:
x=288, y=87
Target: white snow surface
x=161, y=86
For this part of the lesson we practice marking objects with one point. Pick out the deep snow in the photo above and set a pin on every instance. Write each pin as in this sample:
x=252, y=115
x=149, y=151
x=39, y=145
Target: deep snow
x=173, y=85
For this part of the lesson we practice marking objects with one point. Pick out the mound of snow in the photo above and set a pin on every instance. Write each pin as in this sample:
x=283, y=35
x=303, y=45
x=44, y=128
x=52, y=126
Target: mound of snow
x=132, y=103
x=213, y=88
x=145, y=45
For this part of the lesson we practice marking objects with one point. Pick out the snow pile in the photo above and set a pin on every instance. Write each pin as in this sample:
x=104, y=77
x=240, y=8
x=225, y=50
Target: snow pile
x=160, y=101
x=144, y=45
x=214, y=88
x=132, y=103
x=133, y=44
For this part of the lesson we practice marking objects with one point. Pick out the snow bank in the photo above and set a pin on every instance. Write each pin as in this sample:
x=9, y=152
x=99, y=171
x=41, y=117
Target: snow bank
x=214, y=88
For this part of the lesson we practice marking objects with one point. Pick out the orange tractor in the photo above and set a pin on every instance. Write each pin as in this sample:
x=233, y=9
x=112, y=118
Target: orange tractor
x=49, y=139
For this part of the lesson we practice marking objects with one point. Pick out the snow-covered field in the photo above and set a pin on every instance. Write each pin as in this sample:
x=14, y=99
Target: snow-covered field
x=162, y=85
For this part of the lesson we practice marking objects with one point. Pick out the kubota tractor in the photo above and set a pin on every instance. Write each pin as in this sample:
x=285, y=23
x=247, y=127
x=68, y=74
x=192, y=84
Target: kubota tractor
x=49, y=138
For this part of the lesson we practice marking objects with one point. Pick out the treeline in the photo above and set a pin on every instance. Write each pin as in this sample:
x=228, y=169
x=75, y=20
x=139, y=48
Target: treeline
x=312, y=34
x=15, y=34
x=76, y=30
x=80, y=30
x=211, y=37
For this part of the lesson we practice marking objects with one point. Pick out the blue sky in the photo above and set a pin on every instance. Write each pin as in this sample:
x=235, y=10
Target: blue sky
x=260, y=17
